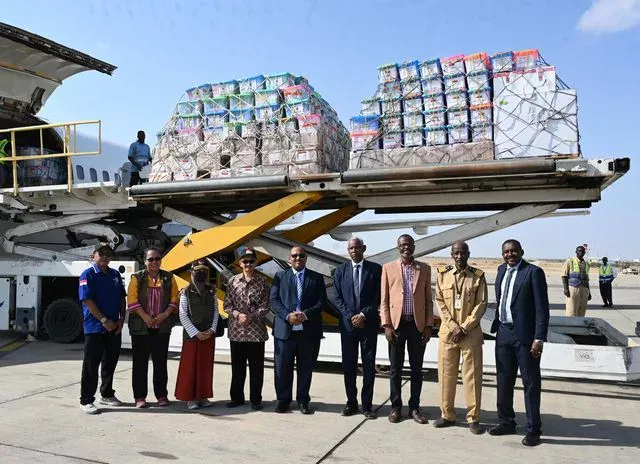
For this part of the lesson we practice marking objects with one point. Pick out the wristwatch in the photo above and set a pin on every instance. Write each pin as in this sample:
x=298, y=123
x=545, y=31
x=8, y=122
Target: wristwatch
x=103, y=320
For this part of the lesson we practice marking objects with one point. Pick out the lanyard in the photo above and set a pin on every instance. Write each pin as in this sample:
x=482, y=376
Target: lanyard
x=455, y=278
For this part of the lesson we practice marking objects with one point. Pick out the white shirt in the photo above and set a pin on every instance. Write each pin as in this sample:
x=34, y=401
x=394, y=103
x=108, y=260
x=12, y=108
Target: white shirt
x=507, y=294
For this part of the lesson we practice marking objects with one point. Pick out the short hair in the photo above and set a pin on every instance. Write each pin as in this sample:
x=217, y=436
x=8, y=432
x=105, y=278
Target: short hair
x=140, y=132
x=151, y=248
x=604, y=257
x=406, y=236
x=581, y=246
x=356, y=239
x=512, y=241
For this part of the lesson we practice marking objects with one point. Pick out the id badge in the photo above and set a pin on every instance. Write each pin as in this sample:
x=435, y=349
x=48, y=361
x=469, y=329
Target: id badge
x=457, y=303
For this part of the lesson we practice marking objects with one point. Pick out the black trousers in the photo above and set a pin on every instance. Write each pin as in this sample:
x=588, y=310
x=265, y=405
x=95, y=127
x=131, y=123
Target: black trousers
x=101, y=352
x=303, y=350
x=241, y=354
x=367, y=340
x=156, y=345
x=409, y=336
x=606, y=293
x=511, y=355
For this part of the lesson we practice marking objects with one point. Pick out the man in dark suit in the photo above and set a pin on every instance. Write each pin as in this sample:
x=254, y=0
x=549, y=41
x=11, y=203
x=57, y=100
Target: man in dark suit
x=298, y=296
x=357, y=285
x=521, y=323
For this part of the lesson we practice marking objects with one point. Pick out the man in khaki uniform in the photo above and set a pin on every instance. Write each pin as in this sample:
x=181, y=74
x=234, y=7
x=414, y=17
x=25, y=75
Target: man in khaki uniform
x=461, y=295
x=575, y=280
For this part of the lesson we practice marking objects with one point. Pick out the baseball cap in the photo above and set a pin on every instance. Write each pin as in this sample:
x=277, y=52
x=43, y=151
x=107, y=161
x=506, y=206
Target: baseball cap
x=248, y=253
x=102, y=246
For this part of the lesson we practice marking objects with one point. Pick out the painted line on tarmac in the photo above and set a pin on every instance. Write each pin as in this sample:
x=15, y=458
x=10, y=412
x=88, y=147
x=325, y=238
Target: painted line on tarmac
x=53, y=454
x=354, y=430
x=52, y=389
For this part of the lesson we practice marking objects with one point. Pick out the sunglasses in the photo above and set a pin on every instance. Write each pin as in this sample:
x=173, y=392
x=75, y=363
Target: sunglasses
x=298, y=255
x=151, y=260
x=248, y=261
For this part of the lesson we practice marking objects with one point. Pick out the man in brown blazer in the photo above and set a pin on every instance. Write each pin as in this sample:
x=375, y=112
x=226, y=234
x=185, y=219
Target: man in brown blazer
x=406, y=312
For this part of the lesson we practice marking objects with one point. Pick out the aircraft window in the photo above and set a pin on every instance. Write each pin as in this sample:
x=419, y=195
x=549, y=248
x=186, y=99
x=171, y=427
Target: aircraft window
x=93, y=174
x=116, y=179
x=80, y=172
x=105, y=176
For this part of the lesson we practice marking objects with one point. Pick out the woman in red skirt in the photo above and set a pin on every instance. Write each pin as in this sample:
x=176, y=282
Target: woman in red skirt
x=198, y=311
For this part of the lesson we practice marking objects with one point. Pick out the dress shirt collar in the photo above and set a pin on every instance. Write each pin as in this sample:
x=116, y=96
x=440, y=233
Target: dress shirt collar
x=301, y=271
x=353, y=263
x=516, y=267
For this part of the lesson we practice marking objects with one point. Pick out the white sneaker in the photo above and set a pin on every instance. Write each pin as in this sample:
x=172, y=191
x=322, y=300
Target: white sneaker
x=192, y=405
x=89, y=408
x=113, y=401
x=205, y=403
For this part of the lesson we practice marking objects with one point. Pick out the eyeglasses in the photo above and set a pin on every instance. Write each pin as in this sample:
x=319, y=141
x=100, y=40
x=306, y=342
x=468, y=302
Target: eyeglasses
x=105, y=254
x=248, y=261
x=151, y=260
x=298, y=255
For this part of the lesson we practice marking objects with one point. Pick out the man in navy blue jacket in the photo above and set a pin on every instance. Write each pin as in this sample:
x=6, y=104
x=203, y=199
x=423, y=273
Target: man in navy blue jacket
x=298, y=296
x=357, y=285
x=521, y=323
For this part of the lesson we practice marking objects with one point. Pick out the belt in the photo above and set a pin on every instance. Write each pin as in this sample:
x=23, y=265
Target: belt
x=408, y=318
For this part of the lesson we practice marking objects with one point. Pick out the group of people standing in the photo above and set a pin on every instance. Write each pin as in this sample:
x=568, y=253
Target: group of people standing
x=396, y=297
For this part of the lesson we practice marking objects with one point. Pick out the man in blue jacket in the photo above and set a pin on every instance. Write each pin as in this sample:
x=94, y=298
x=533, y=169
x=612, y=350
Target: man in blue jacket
x=357, y=285
x=298, y=296
x=521, y=323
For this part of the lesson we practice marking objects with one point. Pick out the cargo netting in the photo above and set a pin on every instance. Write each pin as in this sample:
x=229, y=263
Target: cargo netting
x=465, y=108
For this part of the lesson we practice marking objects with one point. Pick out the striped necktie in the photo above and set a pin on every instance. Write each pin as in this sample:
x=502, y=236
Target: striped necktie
x=299, y=284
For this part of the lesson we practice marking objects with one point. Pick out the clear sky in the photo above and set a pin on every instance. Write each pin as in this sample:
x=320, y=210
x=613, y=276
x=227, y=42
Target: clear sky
x=162, y=47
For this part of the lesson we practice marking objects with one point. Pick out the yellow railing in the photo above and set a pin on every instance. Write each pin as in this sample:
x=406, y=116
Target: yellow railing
x=70, y=146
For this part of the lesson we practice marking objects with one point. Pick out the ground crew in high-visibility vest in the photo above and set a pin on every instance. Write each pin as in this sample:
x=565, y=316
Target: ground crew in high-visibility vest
x=575, y=280
x=606, y=276
x=461, y=295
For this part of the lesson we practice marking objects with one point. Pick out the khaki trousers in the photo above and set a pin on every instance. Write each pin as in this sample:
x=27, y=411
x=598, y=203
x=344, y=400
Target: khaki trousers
x=577, y=302
x=448, y=365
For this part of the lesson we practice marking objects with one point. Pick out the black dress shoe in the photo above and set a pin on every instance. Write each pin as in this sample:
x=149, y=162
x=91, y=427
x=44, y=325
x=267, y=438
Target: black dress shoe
x=306, y=409
x=235, y=404
x=394, y=416
x=256, y=406
x=282, y=407
x=531, y=440
x=475, y=428
x=349, y=410
x=369, y=414
x=417, y=416
x=502, y=429
x=441, y=422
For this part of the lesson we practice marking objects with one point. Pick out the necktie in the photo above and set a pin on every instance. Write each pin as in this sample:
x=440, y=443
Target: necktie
x=356, y=285
x=505, y=294
x=299, y=283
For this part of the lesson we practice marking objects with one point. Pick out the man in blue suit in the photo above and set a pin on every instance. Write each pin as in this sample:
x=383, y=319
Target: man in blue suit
x=521, y=323
x=298, y=296
x=357, y=285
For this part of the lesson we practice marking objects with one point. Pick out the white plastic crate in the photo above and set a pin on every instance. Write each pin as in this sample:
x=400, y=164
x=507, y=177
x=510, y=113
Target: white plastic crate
x=456, y=82
x=477, y=62
x=392, y=122
x=482, y=114
x=414, y=138
x=481, y=132
x=480, y=97
x=412, y=105
x=458, y=134
x=457, y=116
x=392, y=139
x=391, y=106
x=434, y=85
x=435, y=118
x=456, y=99
x=370, y=107
x=430, y=69
x=409, y=70
x=388, y=73
x=411, y=89
x=453, y=65
x=436, y=135
x=413, y=120
x=478, y=80
x=435, y=101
